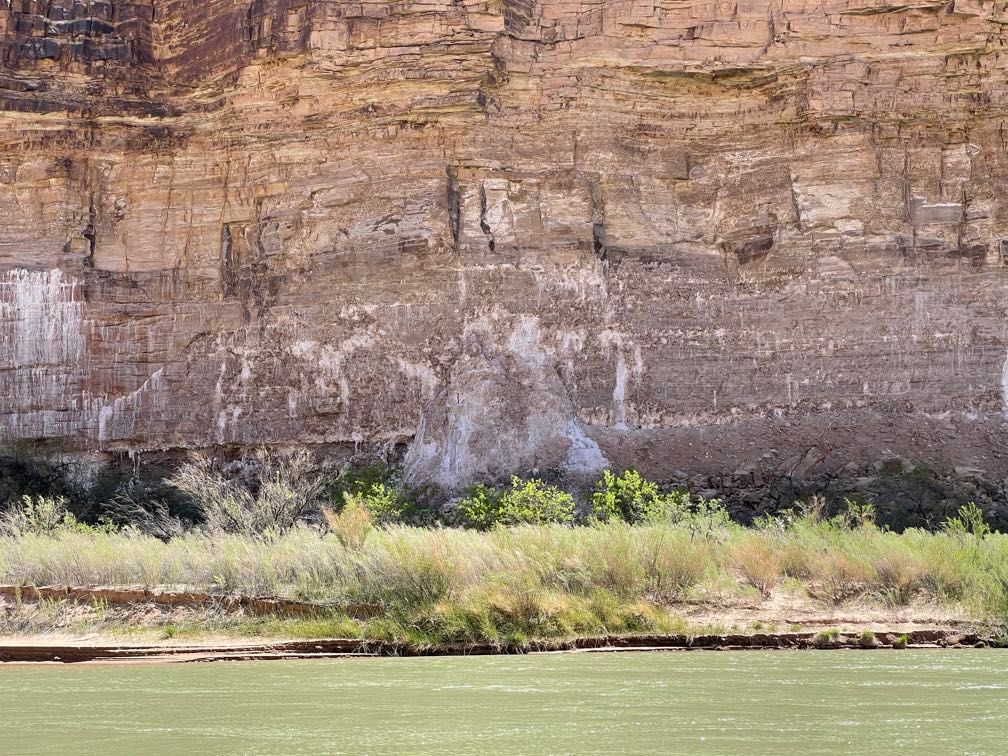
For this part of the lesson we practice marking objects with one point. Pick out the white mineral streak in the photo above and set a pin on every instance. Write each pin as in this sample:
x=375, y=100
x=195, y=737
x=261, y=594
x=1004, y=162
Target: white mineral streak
x=624, y=372
x=42, y=353
x=504, y=403
x=1004, y=386
x=585, y=457
x=41, y=319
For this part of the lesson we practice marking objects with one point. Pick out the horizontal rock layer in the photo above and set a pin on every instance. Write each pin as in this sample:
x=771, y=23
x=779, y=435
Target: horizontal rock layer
x=509, y=234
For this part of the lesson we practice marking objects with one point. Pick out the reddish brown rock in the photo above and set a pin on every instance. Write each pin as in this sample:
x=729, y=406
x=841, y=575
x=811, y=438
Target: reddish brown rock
x=506, y=234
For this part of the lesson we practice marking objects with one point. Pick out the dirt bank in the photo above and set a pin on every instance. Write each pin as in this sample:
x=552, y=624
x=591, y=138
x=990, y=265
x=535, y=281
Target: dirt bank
x=115, y=624
x=35, y=650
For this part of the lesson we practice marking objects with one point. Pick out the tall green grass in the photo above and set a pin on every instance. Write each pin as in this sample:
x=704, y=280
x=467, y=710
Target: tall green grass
x=535, y=581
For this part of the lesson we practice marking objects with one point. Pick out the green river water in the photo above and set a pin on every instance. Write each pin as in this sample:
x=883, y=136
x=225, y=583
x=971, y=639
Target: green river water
x=884, y=702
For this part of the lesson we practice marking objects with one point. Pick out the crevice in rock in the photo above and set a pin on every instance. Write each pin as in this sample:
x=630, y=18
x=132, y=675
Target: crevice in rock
x=454, y=207
x=90, y=230
x=598, y=224
x=484, y=226
x=228, y=262
x=598, y=240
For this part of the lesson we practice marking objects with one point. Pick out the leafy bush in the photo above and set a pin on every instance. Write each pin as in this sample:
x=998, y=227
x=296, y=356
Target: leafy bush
x=526, y=502
x=478, y=507
x=380, y=489
x=634, y=499
x=361, y=479
x=385, y=505
x=532, y=502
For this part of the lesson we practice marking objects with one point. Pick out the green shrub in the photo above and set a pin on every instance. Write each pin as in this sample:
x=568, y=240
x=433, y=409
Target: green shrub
x=361, y=479
x=478, y=507
x=532, y=502
x=386, y=505
x=901, y=641
x=526, y=502
x=826, y=638
x=634, y=499
x=381, y=490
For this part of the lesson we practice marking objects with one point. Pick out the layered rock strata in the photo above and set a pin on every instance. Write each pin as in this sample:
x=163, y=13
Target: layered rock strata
x=506, y=235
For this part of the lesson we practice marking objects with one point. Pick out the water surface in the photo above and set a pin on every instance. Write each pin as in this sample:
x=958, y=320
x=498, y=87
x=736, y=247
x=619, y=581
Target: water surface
x=885, y=702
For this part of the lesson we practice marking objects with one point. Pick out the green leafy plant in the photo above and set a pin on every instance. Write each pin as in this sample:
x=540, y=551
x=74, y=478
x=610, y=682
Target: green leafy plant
x=478, y=507
x=385, y=504
x=634, y=499
x=526, y=502
x=383, y=492
x=363, y=478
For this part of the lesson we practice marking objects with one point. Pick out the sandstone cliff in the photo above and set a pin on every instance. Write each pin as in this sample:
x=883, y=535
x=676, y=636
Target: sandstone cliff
x=510, y=234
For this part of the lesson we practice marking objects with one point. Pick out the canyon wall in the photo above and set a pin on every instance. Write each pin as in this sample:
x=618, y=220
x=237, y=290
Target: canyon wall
x=505, y=235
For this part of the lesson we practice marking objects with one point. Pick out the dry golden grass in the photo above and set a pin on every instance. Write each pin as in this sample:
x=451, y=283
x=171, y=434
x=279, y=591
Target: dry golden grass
x=758, y=560
x=351, y=525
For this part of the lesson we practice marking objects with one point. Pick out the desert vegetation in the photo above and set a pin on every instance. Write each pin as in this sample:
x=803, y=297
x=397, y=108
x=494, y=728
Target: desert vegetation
x=522, y=561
